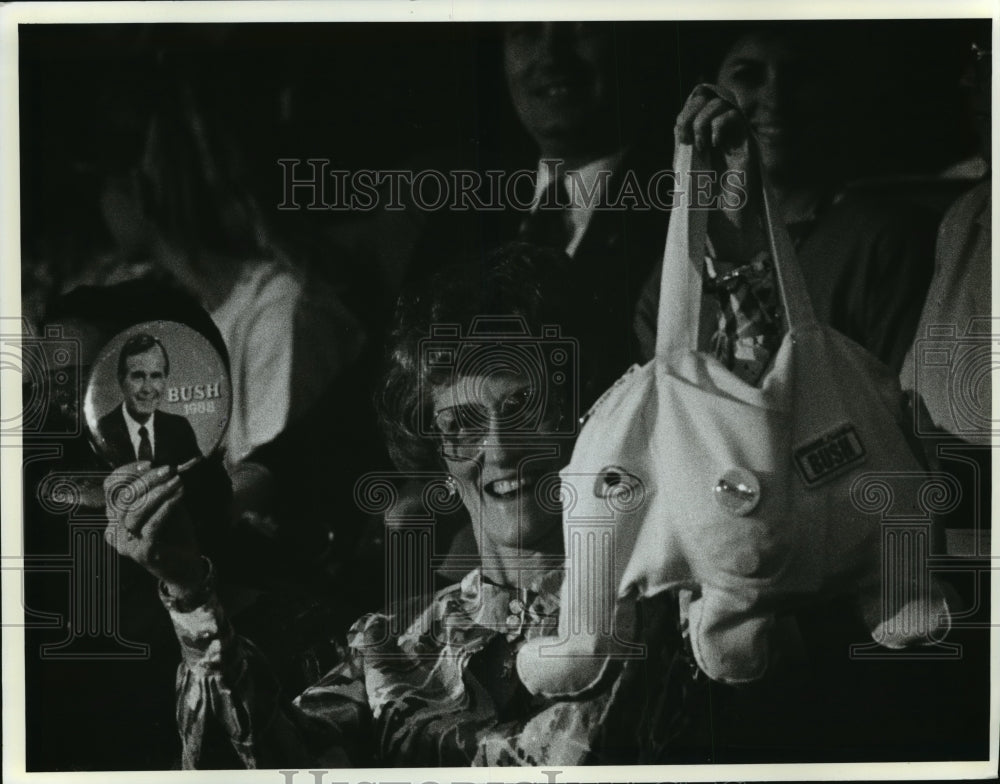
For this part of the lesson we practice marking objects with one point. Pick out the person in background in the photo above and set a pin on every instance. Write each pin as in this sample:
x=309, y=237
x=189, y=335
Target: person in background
x=866, y=263
x=571, y=89
x=580, y=93
x=960, y=296
x=949, y=369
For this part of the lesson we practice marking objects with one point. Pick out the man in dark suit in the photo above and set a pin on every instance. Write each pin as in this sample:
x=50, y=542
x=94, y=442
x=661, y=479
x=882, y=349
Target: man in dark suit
x=579, y=91
x=137, y=429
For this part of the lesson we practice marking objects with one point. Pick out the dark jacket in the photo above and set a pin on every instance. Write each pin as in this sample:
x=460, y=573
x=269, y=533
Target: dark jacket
x=621, y=246
x=173, y=439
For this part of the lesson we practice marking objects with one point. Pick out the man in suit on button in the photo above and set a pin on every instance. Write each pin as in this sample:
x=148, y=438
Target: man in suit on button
x=137, y=429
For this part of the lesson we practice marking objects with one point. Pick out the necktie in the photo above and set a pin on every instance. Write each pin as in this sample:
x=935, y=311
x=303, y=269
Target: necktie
x=749, y=327
x=145, y=448
x=547, y=226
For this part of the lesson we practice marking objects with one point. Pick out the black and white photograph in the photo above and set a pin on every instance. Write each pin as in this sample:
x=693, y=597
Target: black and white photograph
x=393, y=391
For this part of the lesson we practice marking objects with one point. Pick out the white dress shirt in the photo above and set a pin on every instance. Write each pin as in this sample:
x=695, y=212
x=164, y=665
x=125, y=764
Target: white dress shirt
x=585, y=187
x=133, y=430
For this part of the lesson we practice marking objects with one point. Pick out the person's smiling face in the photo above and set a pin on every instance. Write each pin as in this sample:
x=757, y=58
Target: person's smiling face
x=144, y=382
x=561, y=78
x=777, y=86
x=483, y=422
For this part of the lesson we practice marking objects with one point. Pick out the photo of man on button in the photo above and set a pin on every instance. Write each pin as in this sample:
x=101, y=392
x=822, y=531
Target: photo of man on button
x=137, y=429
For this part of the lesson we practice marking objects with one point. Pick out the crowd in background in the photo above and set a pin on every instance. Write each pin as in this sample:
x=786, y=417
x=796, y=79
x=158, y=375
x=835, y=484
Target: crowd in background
x=153, y=191
x=388, y=97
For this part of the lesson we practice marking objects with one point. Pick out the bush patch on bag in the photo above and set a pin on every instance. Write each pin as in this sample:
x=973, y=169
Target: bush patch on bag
x=830, y=454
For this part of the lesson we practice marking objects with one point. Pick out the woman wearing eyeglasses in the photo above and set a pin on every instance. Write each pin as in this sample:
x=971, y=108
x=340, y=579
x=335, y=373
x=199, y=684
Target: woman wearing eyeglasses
x=481, y=384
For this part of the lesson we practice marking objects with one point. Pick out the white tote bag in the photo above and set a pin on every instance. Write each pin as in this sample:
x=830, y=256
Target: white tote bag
x=687, y=477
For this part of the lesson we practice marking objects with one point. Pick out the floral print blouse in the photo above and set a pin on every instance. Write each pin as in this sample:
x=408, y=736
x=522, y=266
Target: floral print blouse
x=443, y=691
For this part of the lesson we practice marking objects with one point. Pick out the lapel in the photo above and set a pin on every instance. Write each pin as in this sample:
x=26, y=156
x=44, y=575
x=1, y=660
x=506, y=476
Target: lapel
x=602, y=239
x=624, y=244
x=121, y=437
x=603, y=235
x=518, y=207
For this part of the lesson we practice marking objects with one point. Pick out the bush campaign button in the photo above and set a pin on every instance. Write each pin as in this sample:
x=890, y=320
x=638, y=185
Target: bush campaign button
x=159, y=391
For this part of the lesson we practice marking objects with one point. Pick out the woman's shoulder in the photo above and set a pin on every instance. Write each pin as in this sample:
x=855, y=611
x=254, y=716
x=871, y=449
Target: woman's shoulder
x=862, y=224
x=271, y=279
x=864, y=208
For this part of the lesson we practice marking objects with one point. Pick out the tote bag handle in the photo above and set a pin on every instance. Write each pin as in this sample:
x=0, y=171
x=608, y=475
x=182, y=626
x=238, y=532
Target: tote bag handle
x=684, y=259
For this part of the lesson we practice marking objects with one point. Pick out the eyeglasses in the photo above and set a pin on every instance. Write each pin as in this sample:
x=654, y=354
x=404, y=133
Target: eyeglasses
x=462, y=428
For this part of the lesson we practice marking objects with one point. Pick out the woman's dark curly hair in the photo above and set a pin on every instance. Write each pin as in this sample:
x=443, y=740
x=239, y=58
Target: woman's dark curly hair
x=516, y=280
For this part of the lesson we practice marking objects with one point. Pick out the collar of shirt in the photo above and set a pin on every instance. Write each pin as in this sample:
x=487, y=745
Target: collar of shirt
x=470, y=613
x=584, y=186
x=490, y=605
x=133, y=430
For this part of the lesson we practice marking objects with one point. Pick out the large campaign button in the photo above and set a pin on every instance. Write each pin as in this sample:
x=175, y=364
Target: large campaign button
x=159, y=391
x=738, y=491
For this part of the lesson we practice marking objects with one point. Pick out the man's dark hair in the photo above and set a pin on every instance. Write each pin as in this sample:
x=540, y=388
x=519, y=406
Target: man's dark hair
x=140, y=344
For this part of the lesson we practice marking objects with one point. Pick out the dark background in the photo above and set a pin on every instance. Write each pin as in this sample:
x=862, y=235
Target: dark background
x=394, y=95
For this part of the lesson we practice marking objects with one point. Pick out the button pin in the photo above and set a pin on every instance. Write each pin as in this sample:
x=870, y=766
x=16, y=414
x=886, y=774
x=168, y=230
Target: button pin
x=738, y=491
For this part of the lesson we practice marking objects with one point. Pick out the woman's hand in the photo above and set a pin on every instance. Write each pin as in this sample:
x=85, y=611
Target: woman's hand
x=147, y=522
x=711, y=122
x=714, y=124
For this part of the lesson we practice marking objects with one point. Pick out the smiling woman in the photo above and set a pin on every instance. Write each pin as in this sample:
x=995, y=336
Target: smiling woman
x=778, y=82
x=480, y=383
x=483, y=383
x=866, y=260
x=495, y=475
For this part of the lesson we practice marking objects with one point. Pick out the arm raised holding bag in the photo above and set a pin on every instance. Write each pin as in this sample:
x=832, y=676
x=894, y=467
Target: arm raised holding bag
x=746, y=331
x=712, y=122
